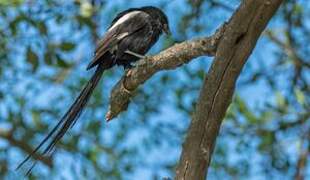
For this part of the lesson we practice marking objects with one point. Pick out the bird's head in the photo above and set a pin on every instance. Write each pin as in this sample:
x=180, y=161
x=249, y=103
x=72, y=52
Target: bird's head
x=159, y=16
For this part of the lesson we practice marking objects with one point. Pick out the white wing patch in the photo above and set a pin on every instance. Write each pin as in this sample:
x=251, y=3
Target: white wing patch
x=121, y=36
x=124, y=18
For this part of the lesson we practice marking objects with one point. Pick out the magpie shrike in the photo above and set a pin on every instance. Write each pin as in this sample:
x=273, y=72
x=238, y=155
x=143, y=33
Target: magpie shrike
x=132, y=33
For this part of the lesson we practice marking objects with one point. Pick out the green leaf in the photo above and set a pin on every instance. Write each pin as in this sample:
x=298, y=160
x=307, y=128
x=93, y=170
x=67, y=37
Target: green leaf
x=298, y=9
x=11, y=2
x=85, y=21
x=67, y=46
x=86, y=9
x=14, y=23
x=32, y=58
x=36, y=118
x=62, y=63
x=48, y=59
x=280, y=99
x=246, y=112
x=42, y=27
x=267, y=138
x=266, y=116
x=300, y=96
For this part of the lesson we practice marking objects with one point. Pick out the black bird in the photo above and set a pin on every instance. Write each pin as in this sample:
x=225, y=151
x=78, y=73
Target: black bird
x=131, y=34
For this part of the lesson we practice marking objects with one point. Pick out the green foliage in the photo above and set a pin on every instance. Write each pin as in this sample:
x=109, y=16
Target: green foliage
x=32, y=58
x=300, y=96
x=11, y=2
x=67, y=46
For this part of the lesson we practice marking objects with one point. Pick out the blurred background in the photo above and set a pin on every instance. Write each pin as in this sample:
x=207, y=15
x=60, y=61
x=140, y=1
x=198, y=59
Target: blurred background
x=45, y=47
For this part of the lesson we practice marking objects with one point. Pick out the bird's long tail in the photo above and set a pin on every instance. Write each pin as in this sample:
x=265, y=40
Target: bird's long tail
x=69, y=119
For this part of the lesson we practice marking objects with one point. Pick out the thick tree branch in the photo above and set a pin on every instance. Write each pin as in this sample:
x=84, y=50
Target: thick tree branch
x=8, y=135
x=170, y=58
x=236, y=45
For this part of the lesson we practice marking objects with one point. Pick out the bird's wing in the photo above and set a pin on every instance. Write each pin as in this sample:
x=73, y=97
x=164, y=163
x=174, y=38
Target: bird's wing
x=121, y=14
x=125, y=25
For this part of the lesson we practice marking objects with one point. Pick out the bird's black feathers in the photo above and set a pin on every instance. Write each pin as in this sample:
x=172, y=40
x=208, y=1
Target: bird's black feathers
x=116, y=36
x=135, y=30
x=137, y=33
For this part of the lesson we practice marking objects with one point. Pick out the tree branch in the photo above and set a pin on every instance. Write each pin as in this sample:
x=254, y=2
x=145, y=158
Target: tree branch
x=303, y=156
x=8, y=135
x=236, y=45
x=168, y=59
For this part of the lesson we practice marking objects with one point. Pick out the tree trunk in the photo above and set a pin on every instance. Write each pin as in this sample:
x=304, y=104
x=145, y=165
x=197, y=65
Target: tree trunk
x=239, y=39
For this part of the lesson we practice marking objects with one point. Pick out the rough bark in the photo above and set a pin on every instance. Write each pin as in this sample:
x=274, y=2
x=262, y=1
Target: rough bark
x=234, y=48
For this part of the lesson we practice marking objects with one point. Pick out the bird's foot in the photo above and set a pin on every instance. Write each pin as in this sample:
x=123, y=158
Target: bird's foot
x=141, y=62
